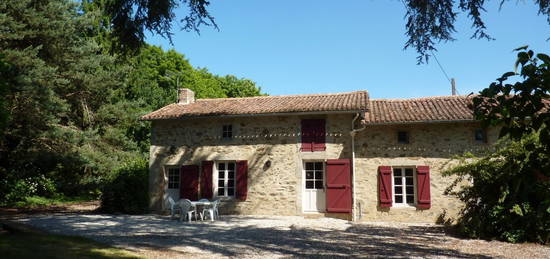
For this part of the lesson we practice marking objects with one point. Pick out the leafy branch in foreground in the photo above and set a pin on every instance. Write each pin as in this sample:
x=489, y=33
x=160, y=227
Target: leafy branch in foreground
x=130, y=19
x=522, y=107
x=429, y=22
x=509, y=192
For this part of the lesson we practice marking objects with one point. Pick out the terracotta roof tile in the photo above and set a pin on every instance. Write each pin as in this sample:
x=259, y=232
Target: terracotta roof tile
x=440, y=108
x=352, y=101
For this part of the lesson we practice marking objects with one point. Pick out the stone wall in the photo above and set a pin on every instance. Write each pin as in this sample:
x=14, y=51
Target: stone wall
x=432, y=144
x=274, y=190
x=277, y=190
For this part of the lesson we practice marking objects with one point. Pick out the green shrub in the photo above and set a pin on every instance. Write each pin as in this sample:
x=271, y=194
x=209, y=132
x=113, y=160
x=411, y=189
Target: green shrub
x=43, y=186
x=127, y=190
x=17, y=190
x=509, y=194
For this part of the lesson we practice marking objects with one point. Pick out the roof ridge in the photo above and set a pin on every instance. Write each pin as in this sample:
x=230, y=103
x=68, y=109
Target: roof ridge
x=334, y=102
x=282, y=96
x=421, y=98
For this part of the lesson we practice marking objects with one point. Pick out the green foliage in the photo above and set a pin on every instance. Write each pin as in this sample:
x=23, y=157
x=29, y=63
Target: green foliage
x=16, y=190
x=69, y=108
x=158, y=74
x=129, y=19
x=509, y=192
x=126, y=191
x=234, y=87
x=5, y=75
x=522, y=107
x=59, y=80
x=508, y=197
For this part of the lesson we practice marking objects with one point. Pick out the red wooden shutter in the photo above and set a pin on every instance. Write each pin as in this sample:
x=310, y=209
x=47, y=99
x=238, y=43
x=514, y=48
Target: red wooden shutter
x=313, y=135
x=319, y=135
x=307, y=136
x=338, y=197
x=206, y=180
x=423, y=187
x=189, y=187
x=242, y=180
x=384, y=186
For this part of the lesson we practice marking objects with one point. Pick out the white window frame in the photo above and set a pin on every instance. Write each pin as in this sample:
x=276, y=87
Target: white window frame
x=168, y=168
x=324, y=174
x=215, y=179
x=403, y=181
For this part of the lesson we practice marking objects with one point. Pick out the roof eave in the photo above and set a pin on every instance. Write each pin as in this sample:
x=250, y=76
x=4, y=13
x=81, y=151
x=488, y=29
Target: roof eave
x=253, y=115
x=415, y=122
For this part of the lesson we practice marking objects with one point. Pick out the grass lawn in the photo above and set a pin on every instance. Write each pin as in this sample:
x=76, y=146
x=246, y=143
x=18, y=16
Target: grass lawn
x=41, y=245
x=37, y=201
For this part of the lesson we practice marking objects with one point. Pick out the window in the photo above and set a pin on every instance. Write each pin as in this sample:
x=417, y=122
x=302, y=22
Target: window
x=227, y=131
x=313, y=135
x=225, y=179
x=314, y=175
x=410, y=186
x=480, y=135
x=173, y=178
x=403, y=137
x=403, y=186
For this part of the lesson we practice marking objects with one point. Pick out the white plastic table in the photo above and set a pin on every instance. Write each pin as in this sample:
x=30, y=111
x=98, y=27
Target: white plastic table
x=201, y=203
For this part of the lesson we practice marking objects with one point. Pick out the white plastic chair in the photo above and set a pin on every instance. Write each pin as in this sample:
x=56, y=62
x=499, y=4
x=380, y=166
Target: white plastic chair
x=174, y=207
x=212, y=211
x=187, y=210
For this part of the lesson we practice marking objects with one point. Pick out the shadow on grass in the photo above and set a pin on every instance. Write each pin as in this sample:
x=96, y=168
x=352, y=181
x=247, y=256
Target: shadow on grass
x=25, y=243
x=72, y=205
x=242, y=235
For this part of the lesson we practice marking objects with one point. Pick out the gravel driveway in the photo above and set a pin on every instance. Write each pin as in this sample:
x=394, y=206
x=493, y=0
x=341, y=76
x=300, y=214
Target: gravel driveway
x=272, y=237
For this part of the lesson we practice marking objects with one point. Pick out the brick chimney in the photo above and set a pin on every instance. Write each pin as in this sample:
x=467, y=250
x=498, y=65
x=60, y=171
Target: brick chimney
x=186, y=96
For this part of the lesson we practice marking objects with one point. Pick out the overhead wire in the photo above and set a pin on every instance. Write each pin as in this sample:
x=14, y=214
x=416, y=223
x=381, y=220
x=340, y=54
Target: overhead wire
x=433, y=53
x=440, y=66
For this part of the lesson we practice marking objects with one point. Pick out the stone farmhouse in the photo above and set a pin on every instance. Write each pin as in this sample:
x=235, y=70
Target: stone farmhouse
x=338, y=155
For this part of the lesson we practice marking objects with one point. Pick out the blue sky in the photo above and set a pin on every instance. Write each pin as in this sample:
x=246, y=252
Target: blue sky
x=301, y=47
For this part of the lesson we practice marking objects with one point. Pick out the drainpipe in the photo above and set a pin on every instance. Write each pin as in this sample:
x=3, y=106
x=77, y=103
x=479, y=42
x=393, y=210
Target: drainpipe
x=353, y=132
